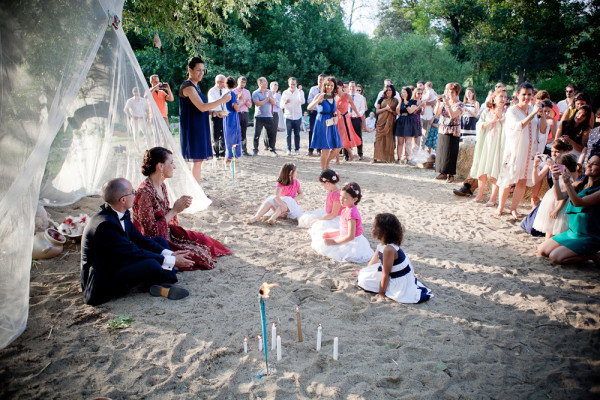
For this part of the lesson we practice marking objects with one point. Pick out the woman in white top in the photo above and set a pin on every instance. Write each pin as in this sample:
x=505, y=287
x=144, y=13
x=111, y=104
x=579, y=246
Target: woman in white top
x=521, y=129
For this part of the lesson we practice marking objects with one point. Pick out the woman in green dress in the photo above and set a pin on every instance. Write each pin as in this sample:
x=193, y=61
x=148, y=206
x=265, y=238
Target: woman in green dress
x=582, y=241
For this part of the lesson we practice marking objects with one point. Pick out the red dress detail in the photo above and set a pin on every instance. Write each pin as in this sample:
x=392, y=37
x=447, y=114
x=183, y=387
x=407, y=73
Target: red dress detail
x=149, y=212
x=349, y=137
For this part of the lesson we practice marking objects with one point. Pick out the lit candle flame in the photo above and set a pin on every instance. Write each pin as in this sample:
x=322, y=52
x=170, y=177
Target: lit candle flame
x=266, y=288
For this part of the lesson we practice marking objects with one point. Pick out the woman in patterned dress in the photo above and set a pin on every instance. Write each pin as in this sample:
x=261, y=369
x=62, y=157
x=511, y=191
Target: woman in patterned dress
x=153, y=216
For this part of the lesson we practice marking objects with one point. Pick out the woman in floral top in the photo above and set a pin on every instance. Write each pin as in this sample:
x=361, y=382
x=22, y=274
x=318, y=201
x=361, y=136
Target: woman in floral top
x=448, y=109
x=153, y=216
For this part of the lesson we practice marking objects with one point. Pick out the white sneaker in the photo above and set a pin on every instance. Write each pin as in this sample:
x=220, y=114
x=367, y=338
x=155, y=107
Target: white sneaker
x=288, y=153
x=297, y=153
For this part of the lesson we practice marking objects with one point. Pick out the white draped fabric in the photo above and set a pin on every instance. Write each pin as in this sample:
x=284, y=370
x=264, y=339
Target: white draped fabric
x=67, y=73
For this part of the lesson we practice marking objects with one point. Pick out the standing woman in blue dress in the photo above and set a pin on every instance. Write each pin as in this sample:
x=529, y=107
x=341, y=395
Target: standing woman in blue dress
x=232, y=129
x=326, y=136
x=194, y=129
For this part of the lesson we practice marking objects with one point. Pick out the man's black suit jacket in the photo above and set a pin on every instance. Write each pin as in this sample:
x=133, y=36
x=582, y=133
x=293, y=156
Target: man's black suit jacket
x=106, y=247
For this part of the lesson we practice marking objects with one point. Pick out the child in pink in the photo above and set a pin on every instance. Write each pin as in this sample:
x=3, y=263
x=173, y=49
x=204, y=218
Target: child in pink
x=327, y=218
x=347, y=243
x=285, y=201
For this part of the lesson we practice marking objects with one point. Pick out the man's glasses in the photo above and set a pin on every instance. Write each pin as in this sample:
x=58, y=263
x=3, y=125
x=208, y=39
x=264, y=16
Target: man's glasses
x=568, y=91
x=129, y=194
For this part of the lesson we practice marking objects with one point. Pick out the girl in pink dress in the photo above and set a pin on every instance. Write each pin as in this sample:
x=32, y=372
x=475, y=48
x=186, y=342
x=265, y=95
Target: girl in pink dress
x=285, y=201
x=329, y=217
x=348, y=243
x=349, y=138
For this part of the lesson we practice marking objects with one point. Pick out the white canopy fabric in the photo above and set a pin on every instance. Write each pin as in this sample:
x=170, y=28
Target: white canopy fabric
x=67, y=71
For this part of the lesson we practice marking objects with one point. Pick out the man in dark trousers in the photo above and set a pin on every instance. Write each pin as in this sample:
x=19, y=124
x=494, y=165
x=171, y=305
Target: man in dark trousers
x=115, y=256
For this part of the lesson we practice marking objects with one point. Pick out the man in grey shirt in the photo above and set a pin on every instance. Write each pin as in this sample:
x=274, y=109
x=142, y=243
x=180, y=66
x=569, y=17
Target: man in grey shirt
x=264, y=100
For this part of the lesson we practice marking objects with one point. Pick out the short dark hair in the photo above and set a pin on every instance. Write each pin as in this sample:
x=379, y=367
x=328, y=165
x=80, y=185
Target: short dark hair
x=152, y=157
x=353, y=190
x=230, y=82
x=562, y=144
x=388, y=228
x=526, y=86
x=584, y=97
x=192, y=62
x=113, y=190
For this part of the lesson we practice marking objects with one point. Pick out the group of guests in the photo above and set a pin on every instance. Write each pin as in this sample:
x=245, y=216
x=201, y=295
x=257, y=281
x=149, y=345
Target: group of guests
x=521, y=143
x=225, y=114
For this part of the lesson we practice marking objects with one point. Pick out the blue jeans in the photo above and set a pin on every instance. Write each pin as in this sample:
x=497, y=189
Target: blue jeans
x=293, y=125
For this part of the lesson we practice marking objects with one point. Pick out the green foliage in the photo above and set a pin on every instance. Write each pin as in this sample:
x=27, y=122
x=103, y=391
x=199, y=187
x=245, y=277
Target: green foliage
x=413, y=58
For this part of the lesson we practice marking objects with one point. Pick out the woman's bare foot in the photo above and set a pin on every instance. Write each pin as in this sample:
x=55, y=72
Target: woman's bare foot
x=271, y=221
x=515, y=214
x=498, y=212
x=251, y=221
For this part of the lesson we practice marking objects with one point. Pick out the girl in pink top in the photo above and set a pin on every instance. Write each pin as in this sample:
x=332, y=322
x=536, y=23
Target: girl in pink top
x=347, y=243
x=285, y=201
x=327, y=218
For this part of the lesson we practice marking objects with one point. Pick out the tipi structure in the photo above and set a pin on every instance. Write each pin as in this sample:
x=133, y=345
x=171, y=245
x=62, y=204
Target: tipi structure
x=67, y=72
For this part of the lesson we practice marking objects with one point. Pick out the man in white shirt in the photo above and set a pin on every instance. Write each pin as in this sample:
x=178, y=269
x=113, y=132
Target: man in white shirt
x=370, y=122
x=314, y=91
x=361, y=106
x=429, y=98
x=564, y=105
x=385, y=83
x=136, y=109
x=291, y=102
x=216, y=115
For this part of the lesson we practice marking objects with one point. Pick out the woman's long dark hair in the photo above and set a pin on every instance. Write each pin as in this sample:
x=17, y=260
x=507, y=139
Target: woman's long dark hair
x=384, y=90
x=574, y=131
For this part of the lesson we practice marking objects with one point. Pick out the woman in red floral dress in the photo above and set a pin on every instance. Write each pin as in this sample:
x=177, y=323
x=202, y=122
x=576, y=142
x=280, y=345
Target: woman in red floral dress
x=153, y=216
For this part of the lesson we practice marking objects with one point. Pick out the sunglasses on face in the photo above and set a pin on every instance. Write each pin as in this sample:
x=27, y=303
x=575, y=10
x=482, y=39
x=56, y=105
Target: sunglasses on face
x=569, y=91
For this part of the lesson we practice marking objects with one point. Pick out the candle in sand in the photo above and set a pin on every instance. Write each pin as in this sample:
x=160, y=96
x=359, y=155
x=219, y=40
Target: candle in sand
x=278, y=347
x=260, y=343
x=319, y=333
x=335, y=348
x=245, y=345
x=273, y=337
x=299, y=324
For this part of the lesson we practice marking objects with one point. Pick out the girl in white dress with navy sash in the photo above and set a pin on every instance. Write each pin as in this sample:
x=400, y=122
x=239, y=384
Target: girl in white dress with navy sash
x=390, y=273
x=348, y=243
x=328, y=217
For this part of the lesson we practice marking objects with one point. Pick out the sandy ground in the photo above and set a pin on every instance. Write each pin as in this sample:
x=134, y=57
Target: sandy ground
x=504, y=324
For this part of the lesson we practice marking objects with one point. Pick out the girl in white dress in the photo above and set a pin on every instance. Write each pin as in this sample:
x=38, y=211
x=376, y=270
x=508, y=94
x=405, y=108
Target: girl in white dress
x=348, y=243
x=390, y=273
x=521, y=129
x=328, y=217
x=551, y=218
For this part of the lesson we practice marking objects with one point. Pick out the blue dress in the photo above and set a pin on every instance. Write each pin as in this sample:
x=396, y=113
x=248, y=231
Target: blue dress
x=232, y=130
x=325, y=137
x=406, y=124
x=194, y=128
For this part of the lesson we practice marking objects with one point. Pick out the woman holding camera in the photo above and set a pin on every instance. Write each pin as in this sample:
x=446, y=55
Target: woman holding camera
x=582, y=241
x=448, y=109
x=522, y=129
x=326, y=135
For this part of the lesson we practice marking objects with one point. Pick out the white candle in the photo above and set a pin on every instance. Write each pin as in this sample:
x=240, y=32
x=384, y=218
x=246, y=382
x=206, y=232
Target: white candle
x=319, y=332
x=245, y=345
x=278, y=347
x=335, y=348
x=260, y=343
x=273, y=337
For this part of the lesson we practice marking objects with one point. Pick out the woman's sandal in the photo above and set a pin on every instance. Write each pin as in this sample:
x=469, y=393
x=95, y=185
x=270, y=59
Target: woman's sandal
x=441, y=176
x=450, y=179
x=491, y=204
